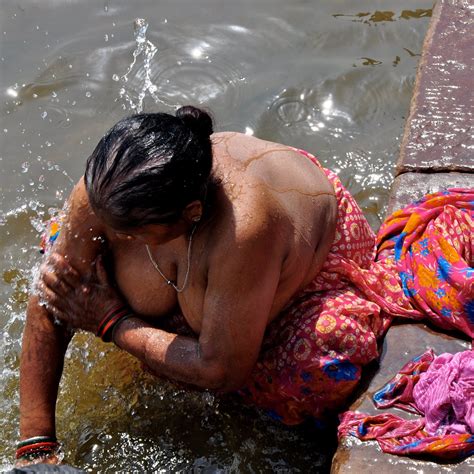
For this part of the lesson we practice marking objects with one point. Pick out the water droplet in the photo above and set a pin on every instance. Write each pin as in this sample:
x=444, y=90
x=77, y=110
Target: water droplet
x=106, y=38
x=25, y=167
x=116, y=78
x=5, y=130
x=53, y=94
x=48, y=143
x=44, y=115
x=140, y=27
x=88, y=94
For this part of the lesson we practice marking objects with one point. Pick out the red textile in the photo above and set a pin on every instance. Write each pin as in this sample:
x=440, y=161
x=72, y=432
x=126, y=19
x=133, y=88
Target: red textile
x=430, y=245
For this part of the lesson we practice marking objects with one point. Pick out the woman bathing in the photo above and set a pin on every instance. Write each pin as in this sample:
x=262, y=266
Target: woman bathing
x=220, y=261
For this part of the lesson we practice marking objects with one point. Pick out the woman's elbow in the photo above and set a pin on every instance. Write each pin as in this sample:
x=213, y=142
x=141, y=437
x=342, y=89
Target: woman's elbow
x=221, y=378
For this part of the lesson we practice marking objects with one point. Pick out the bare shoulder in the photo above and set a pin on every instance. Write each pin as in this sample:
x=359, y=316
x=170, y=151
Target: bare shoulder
x=81, y=233
x=267, y=180
x=250, y=223
x=281, y=167
x=79, y=214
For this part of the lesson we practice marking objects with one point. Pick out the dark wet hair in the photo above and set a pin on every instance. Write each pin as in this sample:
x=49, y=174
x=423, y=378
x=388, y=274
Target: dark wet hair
x=149, y=167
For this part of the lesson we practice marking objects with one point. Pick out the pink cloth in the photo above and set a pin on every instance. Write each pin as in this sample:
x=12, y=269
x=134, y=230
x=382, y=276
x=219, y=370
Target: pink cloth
x=445, y=394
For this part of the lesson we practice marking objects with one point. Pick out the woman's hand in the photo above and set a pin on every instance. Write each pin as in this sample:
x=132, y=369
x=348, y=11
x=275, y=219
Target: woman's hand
x=79, y=302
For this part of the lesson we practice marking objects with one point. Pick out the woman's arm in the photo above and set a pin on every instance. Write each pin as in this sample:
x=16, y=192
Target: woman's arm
x=42, y=355
x=44, y=342
x=242, y=282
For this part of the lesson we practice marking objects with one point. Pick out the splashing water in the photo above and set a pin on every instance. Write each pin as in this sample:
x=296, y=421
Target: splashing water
x=147, y=50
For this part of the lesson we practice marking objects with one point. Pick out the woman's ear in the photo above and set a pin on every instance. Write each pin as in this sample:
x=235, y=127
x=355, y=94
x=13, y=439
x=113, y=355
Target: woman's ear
x=193, y=212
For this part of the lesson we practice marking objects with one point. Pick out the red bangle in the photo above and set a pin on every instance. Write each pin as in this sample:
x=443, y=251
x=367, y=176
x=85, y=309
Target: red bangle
x=107, y=316
x=110, y=321
x=36, y=448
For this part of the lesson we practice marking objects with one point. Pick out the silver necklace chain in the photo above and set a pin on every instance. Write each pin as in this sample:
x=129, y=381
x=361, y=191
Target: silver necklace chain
x=157, y=268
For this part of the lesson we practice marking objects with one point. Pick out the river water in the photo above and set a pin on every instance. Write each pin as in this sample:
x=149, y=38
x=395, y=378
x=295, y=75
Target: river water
x=333, y=77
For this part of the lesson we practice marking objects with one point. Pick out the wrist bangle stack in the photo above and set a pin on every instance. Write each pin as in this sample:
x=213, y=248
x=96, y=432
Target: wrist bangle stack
x=36, y=446
x=111, y=320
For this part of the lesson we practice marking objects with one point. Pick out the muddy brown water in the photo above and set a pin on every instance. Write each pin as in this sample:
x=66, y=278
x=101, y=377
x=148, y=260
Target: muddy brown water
x=334, y=78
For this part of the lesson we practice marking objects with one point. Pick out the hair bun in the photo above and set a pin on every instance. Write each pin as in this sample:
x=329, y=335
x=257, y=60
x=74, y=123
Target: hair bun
x=199, y=121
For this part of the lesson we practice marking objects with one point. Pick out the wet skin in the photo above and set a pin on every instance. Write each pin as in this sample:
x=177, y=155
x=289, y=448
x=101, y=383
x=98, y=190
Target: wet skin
x=267, y=236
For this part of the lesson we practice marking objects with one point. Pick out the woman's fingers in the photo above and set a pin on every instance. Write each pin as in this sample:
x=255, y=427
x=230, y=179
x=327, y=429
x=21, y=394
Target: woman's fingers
x=53, y=303
x=57, y=284
x=63, y=268
x=76, y=299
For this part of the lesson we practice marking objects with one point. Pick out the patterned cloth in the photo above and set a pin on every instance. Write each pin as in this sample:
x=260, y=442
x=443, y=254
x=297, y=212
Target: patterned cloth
x=51, y=233
x=440, y=388
x=430, y=245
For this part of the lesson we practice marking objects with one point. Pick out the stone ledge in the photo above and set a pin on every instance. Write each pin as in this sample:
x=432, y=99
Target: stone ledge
x=439, y=131
x=408, y=187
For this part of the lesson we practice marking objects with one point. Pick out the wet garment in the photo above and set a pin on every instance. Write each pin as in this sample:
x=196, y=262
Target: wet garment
x=440, y=388
x=430, y=244
x=312, y=355
x=445, y=394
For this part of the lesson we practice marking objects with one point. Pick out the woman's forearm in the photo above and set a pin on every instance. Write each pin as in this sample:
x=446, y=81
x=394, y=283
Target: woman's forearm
x=175, y=357
x=42, y=358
